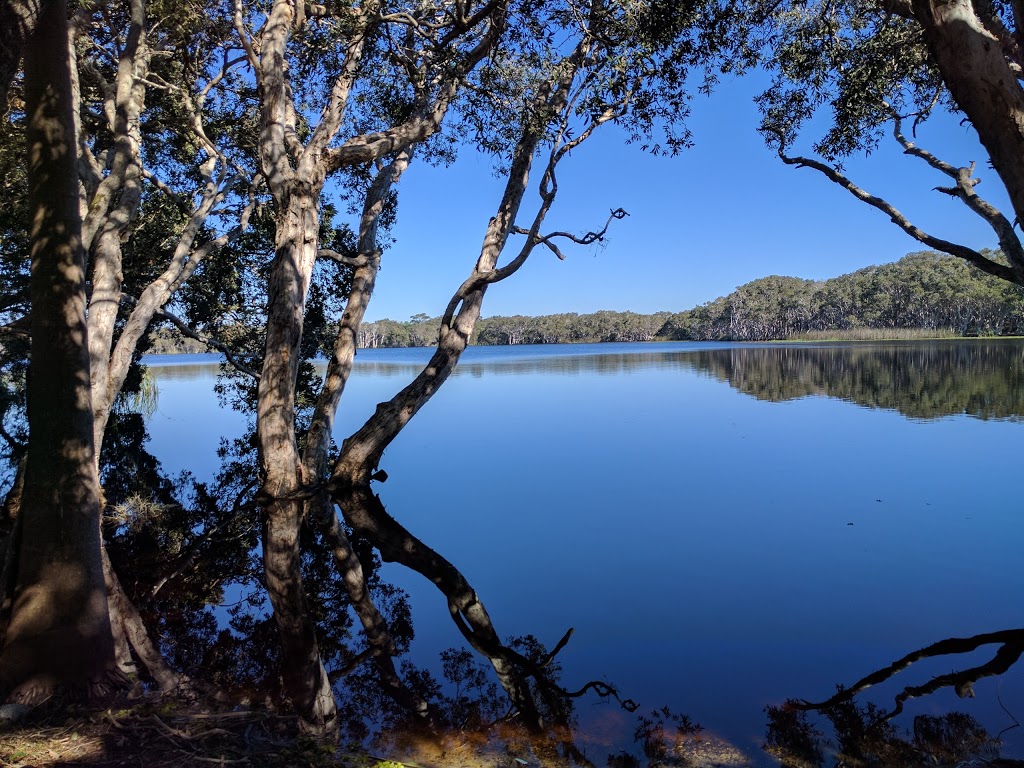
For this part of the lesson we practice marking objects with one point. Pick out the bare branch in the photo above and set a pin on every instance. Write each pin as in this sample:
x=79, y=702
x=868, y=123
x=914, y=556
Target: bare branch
x=965, y=192
x=954, y=249
x=1011, y=648
x=183, y=205
x=359, y=260
x=587, y=239
x=229, y=354
x=244, y=38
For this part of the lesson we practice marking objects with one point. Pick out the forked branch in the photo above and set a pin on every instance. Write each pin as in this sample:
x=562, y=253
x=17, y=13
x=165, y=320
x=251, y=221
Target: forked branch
x=1012, y=274
x=1011, y=647
x=586, y=239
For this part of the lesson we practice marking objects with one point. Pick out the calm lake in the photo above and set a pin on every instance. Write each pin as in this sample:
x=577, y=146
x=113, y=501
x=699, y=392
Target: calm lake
x=725, y=526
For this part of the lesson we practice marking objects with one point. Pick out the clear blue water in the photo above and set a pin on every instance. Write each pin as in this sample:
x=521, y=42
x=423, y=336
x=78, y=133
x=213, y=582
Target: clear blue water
x=725, y=526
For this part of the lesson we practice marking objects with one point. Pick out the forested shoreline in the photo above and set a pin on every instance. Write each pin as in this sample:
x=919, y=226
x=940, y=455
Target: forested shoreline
x=923, y=294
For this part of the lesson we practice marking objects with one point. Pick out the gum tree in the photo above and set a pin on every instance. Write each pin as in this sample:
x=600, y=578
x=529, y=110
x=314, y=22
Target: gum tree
x=886, y=67
x=58, y=637
x=157, y=197
x=430, y=48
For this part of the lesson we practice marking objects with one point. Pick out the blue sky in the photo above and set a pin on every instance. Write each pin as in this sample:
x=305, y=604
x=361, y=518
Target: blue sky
x=721, y=214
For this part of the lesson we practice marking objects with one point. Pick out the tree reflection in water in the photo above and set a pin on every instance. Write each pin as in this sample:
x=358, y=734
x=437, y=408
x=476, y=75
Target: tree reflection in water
x=984, y=379
x=866, y=734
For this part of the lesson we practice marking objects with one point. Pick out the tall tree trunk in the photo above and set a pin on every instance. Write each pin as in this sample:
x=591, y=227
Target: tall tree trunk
x=977, y=73
x=59, y=635
x=318, y=440
x=305, y=679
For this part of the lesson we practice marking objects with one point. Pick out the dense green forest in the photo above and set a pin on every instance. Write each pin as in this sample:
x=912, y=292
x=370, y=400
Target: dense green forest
x=928, y=291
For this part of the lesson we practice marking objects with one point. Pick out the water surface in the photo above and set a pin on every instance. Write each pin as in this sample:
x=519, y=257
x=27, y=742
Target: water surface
x=725, y=526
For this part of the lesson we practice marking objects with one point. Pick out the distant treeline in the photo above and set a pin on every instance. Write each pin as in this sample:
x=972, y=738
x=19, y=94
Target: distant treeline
x=564, y=328
x=925, y=291
x=932, y=293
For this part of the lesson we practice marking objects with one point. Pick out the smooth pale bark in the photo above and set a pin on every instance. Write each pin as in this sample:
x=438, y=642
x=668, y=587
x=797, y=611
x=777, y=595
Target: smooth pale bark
x=111, y=210
x=296, y=192
x=362, y=451
x=59, y=635
x=318, y=440
x=305, y=679
x=364, y=277
x=295, y=174
x=977, y=73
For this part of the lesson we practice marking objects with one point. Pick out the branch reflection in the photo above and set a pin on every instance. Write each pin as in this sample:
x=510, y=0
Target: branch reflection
x=867, y=734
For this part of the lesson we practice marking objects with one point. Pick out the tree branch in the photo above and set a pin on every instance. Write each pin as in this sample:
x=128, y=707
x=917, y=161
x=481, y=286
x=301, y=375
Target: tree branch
x=954, y=249
x=965, y=192
x=360, y=260
x=587, y=239
x=1011, y=648
x=229, y=354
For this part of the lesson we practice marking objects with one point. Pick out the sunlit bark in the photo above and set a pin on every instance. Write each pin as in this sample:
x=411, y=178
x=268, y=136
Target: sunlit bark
x=59, y=635
x=295, y=174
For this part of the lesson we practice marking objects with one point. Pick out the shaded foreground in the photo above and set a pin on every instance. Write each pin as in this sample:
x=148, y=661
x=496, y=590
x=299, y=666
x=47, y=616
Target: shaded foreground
x=840, y=731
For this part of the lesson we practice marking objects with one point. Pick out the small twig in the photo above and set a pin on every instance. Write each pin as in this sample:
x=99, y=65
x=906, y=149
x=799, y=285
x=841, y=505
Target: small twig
x=1016, y=723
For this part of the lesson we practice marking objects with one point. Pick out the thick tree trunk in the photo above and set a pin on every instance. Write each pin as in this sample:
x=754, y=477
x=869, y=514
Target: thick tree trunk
x=305, y=679
x=59, y=635
x=979, y=77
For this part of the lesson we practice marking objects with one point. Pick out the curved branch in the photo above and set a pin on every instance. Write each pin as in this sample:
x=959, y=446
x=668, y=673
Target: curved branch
x=1011, y=643
x=229, y=354
x=964, y=191
x=587, y=239
x=953, y=249
x=365, y=513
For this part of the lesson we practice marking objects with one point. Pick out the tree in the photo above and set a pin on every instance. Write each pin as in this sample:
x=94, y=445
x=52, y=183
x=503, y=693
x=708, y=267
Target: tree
x=608, y=75
x=59, y=635
x=437, y=48
x=894, y=61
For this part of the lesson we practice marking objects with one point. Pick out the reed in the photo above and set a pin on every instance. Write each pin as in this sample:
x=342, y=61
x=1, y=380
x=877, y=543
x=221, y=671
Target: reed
x=875, y=334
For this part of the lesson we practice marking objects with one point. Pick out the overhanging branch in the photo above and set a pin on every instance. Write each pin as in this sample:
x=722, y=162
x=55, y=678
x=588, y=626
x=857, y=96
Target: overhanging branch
x=964, y=190
x=954, y=249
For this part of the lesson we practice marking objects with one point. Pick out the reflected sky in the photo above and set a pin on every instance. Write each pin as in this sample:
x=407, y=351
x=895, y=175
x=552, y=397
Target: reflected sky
x=726, y=526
